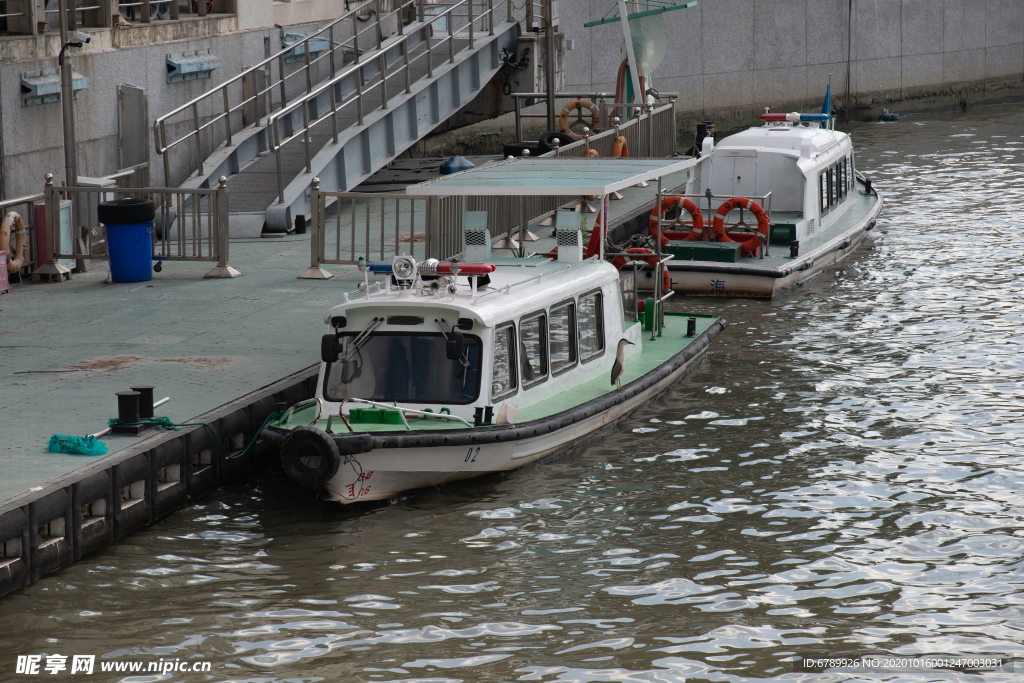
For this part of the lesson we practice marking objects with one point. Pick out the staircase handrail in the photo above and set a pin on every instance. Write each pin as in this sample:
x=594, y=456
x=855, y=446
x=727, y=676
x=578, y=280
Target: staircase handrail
x=160, y=124
x=274, y=141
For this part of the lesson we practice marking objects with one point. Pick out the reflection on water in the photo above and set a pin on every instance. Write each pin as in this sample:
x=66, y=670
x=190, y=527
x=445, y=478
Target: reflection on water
x=840, y=477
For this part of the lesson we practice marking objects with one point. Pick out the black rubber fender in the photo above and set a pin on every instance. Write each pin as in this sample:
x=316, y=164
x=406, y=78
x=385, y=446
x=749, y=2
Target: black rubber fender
x=127, y=211
x=310, y=457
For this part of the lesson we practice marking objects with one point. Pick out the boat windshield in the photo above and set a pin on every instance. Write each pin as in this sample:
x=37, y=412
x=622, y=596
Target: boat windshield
x=407, y=368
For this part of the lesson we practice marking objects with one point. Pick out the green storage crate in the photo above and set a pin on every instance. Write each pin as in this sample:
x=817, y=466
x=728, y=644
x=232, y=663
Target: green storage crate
x=725, y=252
x=387, y=416
x=680, y=250
x=783, y=233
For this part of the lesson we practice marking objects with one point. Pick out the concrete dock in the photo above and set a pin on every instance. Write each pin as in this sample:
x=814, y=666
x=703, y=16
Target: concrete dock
x=226, y=352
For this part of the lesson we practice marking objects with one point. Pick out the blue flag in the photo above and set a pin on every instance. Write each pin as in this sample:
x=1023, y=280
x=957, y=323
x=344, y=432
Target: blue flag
x=826, y=106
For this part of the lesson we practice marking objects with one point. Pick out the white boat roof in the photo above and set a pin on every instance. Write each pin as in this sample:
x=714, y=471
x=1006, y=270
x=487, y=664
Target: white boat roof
x=518, y=287
x=552, y=176
x=781, y=138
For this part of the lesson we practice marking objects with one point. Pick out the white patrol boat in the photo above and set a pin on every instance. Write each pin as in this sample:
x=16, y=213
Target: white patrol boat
x=434, y=371
x=766, y=209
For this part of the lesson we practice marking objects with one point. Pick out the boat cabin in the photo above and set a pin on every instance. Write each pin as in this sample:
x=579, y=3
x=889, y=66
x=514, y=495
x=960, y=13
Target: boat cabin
x=802, y=172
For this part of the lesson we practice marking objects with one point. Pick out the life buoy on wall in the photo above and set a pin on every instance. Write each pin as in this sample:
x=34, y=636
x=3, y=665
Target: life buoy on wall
x=695, y=233
x=15, y=258
x=620, y=148
x=753, y=243
x=579, y=104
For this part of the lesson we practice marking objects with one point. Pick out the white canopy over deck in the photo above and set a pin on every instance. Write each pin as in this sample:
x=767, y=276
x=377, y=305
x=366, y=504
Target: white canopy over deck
x=524, y=176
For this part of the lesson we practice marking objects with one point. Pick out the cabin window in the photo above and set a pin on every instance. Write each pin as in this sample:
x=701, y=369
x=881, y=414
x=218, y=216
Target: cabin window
x=591, y=327
x=503, y=378
x=842, y=178
x=563, y=337
x=823, y=192
x=407, y=368
x=833, y=186
x=533, y=349
x=853, y=175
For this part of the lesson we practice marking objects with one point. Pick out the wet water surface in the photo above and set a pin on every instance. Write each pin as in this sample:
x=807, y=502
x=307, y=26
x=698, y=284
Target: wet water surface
x=840, y=477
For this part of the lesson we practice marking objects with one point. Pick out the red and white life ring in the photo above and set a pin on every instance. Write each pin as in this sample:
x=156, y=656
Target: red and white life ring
x=752, y=241
x=695, y=233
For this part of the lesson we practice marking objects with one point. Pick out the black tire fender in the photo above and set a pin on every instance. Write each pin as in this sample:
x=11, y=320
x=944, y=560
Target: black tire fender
x=310, y=457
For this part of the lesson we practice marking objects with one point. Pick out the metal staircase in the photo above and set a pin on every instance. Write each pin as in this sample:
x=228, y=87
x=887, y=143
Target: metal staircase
x=356, y=101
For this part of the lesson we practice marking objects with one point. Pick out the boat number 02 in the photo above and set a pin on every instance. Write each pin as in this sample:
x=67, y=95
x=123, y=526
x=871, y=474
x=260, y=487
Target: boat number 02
x=472, y=453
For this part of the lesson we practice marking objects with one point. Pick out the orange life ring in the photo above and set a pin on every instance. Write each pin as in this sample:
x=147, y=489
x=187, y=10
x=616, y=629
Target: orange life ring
x=579, y=104
x=620, y=148
x=650, y=258
x=15, y=259
x=695, y=233
x=759, y=238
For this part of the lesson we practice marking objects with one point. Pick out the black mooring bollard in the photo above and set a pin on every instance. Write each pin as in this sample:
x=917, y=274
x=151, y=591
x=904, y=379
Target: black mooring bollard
x=794, y=249
x=691, y=327
x=145, y=400
x=128, y=406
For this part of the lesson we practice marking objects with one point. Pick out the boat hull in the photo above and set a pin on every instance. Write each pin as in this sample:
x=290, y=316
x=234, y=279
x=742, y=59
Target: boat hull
x=399, y=461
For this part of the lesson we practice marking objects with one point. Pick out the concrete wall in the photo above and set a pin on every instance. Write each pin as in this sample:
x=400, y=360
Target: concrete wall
x=730, y=58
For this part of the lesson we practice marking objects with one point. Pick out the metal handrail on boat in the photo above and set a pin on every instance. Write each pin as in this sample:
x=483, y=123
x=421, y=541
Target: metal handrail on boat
x=765, y=200
x=401, y=412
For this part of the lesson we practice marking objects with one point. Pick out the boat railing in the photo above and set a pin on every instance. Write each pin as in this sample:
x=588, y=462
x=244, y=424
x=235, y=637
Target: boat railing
x=402, y=412
x=191, y=224
x=377, y=226
x=711, y=204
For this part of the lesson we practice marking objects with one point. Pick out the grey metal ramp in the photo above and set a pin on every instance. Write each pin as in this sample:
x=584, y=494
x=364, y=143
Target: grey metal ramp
x=384, y=134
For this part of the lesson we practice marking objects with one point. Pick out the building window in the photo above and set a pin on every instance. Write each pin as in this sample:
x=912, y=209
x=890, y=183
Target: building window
x=533, y=350
x=591, y=327
x=563, y=337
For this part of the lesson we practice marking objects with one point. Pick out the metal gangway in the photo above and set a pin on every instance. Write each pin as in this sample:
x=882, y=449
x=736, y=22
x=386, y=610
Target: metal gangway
x=337, y=104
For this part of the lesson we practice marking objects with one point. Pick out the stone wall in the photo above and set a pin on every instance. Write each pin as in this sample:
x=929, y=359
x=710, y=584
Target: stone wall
x=729, y=59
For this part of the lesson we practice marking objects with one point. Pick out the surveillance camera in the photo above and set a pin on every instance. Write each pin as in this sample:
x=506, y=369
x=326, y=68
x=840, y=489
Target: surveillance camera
x=80, y=37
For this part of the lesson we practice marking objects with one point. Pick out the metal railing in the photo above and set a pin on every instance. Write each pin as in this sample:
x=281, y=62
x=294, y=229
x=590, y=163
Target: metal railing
x=714, y=202
x=473, y=16
x=248, y=97
x=190, y=224
x=347, y=225
x=600, y=122
x=651, y=134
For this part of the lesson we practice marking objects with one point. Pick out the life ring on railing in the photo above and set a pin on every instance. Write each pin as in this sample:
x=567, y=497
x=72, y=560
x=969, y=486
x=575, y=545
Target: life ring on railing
x=16, y=258
x=751, y=241
x=647, y=256
x=578, y=104
x=620, y=148
x=695, y=233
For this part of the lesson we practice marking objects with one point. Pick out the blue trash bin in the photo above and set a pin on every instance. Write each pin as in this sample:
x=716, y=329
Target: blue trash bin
x=129, y=224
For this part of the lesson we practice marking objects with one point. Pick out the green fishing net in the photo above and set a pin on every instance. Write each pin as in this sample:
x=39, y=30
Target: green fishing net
x=76, y=445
